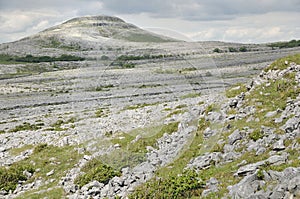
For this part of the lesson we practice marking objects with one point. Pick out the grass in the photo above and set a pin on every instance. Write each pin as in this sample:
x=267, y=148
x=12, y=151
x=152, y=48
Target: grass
x=151, y=139
x=59, y=124
x=235, y=90
x=101, y=112
x=211, y=108
x=10, y=177
x=176, y=112
x=47, y=158
x=190, y=95
x=137, y=106
x=265, y=98
x=27, y=127
x=17, y=151
x=280, y=63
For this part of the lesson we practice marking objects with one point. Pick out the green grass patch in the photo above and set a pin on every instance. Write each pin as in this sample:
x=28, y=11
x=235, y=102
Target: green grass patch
x=137, y=106
x=51, y=193
x=149, y=139
x=10, y=177
x=280, y=63
x=46, y=158
x=190, y=95
x=235, y=90
x=176, y=112
x=17, y=151
x=27, y=127
x=58, y=125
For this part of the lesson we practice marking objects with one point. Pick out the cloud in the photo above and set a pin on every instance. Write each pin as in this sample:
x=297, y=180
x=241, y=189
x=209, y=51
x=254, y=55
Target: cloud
x=256, y=20
x=268, y=27
x=201, y=9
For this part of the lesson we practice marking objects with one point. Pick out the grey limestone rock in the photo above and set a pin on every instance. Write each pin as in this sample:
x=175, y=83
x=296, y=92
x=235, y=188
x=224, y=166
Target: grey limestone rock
x=236, y=135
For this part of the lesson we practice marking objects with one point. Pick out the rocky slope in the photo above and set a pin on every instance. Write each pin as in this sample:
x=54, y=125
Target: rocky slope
x=133, y=118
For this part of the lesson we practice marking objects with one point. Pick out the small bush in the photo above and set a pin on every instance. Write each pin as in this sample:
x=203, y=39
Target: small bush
x=217, y=50
x=181, y=186
x=256, y=135
x=243, y=49
x=287, y=44
x=231, y=49
x=96, y=170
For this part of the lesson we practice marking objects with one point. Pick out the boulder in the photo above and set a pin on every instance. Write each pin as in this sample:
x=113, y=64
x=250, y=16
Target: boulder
x=236, y=135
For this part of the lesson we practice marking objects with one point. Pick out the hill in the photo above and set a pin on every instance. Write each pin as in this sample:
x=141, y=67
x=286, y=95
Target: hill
x=86, y=112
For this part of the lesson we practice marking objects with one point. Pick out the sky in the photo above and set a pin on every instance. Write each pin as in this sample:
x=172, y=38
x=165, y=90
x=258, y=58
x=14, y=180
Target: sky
x=245, y=21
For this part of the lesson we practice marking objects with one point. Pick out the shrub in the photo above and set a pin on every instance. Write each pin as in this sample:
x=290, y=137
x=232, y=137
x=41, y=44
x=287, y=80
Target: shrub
x=243, y=49
x=96, y=170
x=287, y=44
x=10, y=177
x=181, y=186
x=217, y=50
x=231, y=49
x=256, y=135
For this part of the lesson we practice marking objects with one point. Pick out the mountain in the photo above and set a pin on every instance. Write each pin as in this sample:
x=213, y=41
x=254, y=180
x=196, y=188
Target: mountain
x=98, y=108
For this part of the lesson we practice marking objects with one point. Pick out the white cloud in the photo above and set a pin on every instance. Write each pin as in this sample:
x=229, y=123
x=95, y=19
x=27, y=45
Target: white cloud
x=227, y=20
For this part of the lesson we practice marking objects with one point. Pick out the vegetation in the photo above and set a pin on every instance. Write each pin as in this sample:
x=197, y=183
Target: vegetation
x=140, y=57
x=5, y=58
x=235, y=90
x=10, y=177
x=280, y=64
x=285, y=44
x=140, y=145
x=243, y=49
x=256, y=135
x=45, y=158
x=231, y=49
x=96, y=170
x=265, y=98
x=27, y=127
x=182, y=186
x=58, y=125
x=190, y=95
x=217, y=50
x=137, y=106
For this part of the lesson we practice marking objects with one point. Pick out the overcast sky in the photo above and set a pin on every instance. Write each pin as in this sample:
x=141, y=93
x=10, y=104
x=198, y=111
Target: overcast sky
x=248, y=21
